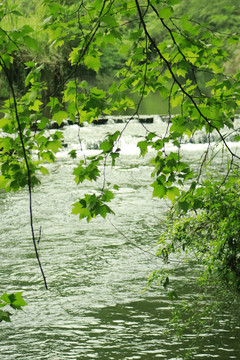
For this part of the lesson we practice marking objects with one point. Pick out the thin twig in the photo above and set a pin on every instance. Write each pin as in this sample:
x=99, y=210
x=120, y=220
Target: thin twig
x=174, y=77
x=5, y=69
x=131, y=242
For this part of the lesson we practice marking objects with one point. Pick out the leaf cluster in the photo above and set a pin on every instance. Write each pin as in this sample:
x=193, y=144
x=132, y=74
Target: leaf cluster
x=211, y=235
x=92, y=205
x=15, y=301
x=183, y=66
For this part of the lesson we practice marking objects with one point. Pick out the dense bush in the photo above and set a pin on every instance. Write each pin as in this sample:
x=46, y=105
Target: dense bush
x=212, y=233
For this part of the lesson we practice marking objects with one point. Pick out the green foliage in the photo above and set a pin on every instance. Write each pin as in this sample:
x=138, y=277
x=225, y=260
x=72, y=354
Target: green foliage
x=90, y=172
x=205, y=240
x=170, y=67
x=49, y=61
x=211, y=235
x=91, y=206
x=15, y=301
x=221, y=16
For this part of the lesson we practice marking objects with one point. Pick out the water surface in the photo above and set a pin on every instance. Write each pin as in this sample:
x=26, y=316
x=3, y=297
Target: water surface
x=96, y=307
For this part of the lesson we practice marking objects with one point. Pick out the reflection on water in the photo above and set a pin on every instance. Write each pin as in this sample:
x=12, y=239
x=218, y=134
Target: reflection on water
x=96, y=307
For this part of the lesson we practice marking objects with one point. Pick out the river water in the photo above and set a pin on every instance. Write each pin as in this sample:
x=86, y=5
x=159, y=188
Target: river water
x=96, y=306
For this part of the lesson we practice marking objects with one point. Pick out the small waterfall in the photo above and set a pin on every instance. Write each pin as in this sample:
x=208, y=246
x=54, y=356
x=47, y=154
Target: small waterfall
x=88, y=137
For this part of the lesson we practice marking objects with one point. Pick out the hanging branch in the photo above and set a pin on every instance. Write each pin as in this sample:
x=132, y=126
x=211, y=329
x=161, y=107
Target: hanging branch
x=88, y=39
x=174, y=77
x=5, y=69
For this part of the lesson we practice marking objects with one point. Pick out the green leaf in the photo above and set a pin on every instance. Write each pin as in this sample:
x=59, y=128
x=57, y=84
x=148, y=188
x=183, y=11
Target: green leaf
x=183, y=205
x=5, y=143
x=181, y=72
x=176, y=100
x=16, y=12
x=99, y=93
x=5, y=298
x=106, y=146
x=87, y=172
x=44, y=170
x=143, y=146
x=5, y=316
x=48, y=156
x=172, y=193
x=14, y=300
x=30, y=64
x=60, y=116
x=91, y=206
x=113, y=137
x=104, y=210
x=7, y=59
x=57, y=135
x=116, y=34
x=30, y=42
x=54, y=8
x=17, y=302
x=43, y=123
x=113, y=88
x=158, y=190
x=54, y=145
x=150, y=136
x=107, y=195
x=98, y=4
x=74, y=55
x=54, y=102
x=83, y=212
x=233, y=40
x=73, y=154
x=26, y=29
x=4, y=182
x=165, y=13
x=164, y=92
x=109, y=20
x=36, y=105
x=92, y=62
x=114, y=156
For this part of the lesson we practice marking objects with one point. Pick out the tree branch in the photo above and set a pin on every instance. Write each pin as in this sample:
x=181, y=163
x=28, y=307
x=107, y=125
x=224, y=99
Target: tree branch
x=5, y=69
x=174, y=77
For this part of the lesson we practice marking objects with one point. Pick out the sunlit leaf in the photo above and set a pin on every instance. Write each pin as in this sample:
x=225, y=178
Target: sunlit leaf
x=166, y=12
x=30, y=42
x=92, y=62
x=60, y=116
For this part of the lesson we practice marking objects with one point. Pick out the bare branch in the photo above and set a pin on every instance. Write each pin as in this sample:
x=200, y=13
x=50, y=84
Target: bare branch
x=5, y=69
